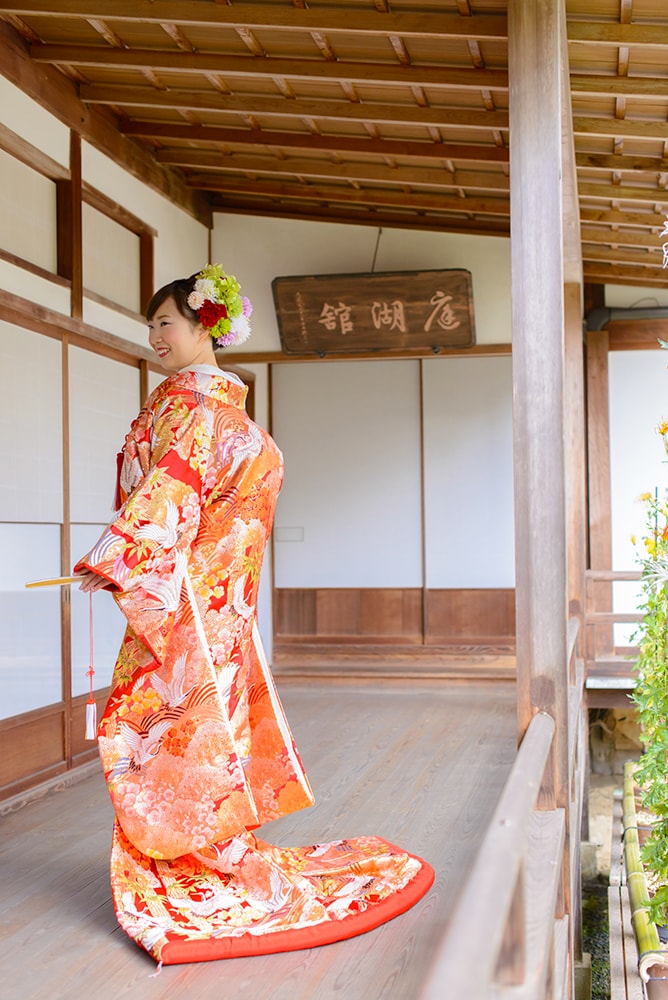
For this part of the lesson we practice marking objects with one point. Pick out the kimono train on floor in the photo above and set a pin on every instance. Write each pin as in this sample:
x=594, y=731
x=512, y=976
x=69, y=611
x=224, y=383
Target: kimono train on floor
x=195, y=747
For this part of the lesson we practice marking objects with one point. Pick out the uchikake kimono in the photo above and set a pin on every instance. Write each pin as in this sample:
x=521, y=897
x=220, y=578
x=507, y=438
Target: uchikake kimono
x=195, y=747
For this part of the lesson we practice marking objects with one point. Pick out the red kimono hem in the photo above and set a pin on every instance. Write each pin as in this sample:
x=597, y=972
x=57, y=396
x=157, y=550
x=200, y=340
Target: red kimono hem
x=176, y=952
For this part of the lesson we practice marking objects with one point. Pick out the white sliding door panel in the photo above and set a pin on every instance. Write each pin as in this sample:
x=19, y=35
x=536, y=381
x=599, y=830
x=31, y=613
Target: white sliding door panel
x=468, y=472
x=349, y=514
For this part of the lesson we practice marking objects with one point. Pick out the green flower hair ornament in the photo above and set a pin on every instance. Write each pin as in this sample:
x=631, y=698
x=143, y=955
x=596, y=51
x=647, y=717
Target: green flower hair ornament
x=219, y=306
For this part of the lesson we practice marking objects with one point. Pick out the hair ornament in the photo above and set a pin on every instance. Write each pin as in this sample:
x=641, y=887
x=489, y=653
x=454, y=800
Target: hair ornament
x=219, y=306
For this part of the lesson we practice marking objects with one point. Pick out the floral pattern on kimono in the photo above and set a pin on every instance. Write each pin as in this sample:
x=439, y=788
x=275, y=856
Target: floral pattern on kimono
x=193, y=740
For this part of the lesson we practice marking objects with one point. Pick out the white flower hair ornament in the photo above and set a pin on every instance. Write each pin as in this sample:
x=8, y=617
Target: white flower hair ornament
x=219, y=306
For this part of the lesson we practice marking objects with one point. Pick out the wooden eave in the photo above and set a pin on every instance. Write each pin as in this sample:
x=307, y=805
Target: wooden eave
x=355, y=112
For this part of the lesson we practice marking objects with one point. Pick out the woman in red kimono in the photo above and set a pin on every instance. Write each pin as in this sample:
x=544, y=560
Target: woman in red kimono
x=195, y=747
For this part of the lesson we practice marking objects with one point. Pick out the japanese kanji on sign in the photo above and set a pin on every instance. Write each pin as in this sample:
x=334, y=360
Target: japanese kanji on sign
x=358, y=313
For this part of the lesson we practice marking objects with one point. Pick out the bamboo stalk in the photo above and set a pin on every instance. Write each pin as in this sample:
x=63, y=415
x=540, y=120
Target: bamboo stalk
x=650, y=950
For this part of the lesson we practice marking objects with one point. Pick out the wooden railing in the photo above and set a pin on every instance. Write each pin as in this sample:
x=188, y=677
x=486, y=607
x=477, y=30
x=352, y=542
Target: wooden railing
x=515, y=931
x=608, y=668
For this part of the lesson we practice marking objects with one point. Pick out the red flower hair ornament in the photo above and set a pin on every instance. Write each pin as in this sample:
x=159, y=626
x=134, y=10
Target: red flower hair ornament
x=220, y=307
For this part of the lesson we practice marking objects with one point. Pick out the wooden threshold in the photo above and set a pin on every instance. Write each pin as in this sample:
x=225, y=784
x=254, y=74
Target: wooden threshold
x=385, y=661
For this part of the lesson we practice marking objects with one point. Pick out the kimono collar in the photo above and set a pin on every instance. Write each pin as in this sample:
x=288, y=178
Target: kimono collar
x=225, y=387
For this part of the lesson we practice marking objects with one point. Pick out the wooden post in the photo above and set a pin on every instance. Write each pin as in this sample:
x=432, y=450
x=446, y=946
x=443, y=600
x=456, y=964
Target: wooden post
x=535, y=58
x=69, y=228
x=600, y=517
x=538, y=368
x=575, y=456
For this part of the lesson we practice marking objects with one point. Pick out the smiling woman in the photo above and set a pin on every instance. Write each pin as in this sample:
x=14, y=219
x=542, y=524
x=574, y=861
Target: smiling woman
x=195, y=746
x=178, y=341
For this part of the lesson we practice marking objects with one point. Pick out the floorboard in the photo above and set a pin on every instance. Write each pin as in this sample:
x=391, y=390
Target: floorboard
x=421, y=764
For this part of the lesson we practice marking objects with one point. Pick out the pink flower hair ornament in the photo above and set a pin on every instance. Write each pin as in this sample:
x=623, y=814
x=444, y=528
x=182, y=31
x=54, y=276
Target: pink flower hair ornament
x=220, y=307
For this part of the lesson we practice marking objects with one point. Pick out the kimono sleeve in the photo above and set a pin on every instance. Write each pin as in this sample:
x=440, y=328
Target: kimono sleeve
x=144, y=552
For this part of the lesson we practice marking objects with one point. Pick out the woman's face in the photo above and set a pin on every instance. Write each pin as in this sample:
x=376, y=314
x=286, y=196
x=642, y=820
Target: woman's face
x=176, y=341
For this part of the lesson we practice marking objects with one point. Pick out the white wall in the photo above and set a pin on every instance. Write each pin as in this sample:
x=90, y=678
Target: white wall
x=182, y=244
x=630, y=296
x=34, y=123
x=27, y=213
x=638, y=385
x=258, y=250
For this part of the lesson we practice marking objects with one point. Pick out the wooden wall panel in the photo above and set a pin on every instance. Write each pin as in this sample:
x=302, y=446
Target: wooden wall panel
x=32, y=745
x=349, y=614
x=376, y=615
x=476, y=615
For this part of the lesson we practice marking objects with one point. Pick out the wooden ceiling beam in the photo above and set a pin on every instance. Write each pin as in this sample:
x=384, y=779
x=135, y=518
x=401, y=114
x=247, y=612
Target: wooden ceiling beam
x=652, y=257
x=627, y=86
x=379, y=217
x=618, y=161
x=620, y=237
x=338, y=190
x=615, y=217
x=613, y=33
x=613, y=128
x=308, y=140
x=625, y=193
x=193, y=159
x=169, y=61
x=273, y=16
x=375, y=197
x=323, y=110
x=617, y=274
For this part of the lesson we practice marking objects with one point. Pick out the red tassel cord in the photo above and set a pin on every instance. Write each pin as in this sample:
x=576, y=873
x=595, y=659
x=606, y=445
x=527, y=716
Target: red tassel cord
x=91, y=706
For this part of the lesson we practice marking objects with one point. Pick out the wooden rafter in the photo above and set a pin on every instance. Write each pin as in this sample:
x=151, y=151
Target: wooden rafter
x=323, y=110
x=168, y=61
x=307, y=140
x=285, y=18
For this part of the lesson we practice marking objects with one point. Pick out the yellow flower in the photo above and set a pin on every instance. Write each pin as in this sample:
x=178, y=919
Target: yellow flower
x=633, y=539
x=663, y=427
x=645, y=496
x=650, y=545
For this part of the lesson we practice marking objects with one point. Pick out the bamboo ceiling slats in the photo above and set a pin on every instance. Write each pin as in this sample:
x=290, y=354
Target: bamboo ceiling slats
x=350, y=110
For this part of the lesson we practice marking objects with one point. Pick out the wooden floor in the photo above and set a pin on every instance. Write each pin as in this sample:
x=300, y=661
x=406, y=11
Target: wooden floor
x=420, y=763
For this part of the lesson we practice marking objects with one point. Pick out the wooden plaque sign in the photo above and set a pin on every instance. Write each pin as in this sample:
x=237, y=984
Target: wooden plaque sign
x=358, y=313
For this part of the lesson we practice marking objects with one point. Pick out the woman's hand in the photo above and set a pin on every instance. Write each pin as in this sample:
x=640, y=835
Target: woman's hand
x=91, y=581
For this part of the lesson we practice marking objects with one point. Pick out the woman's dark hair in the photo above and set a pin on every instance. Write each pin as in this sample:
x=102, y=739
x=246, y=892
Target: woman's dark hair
x=179, y=290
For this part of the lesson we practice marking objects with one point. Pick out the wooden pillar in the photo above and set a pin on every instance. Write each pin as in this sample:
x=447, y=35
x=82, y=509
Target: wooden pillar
x=542, y=194
x=601, y=641
x=538, y=367
x=575, y=455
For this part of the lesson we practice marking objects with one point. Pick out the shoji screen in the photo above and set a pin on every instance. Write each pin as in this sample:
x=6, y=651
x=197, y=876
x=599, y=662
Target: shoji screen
x=31, y=511
x=349, y=514
x=104, y=399
x=468, y=473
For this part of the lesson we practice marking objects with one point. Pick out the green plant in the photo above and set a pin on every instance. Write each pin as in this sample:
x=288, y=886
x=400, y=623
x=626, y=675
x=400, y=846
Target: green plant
x=651, y=699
